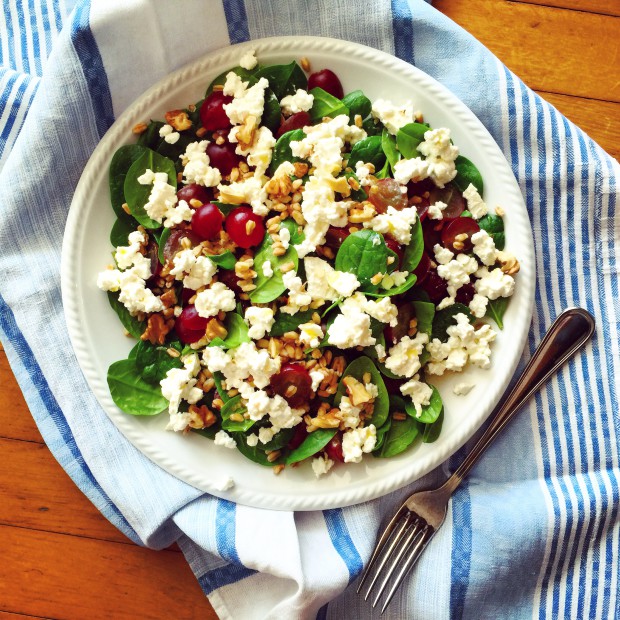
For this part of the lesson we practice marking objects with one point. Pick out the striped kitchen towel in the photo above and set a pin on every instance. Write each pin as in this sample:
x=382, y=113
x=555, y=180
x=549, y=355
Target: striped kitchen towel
x=534, y=532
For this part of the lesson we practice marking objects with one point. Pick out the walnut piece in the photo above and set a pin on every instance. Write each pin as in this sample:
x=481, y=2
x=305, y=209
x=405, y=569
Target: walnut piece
x=156, y=329
x=178, y=119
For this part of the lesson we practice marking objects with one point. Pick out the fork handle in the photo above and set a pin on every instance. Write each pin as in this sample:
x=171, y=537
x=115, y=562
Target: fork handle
x=569, y=332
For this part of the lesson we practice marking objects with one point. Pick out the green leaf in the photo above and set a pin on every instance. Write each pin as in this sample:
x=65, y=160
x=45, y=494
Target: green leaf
x=371, y=352
x=372, y=127
x=224, y=207
x=226, y=260
x=174, y=151
x=284, y=79
x=358, y=103
x=409, y=137
x=381, y=433
x=254, y=453
x=410, y=280
x=122, y=161
x=136, y=194
x=388, y=144
x=237, y=330
x=121, y=229
x=282, y=149
x=220, y=80
x=296, y=231
x=161, y=244
x=496, y=309
x=494, y=225
x=368, y=151
x=151, y=138
x=271, y=112
x=218, y=377
x=466, y=173
x=153, y=361
x=424, y=314
x=312, y=444
x=430, y=432
x=445, y=318
x=284, y=323
x=326, y=105
x=280, y=440
x=357, y=369
x=415, y=249
x=130, y=323
x=430, y=412
x=235, y=405
x=131, y=393
x=364, y=254
x=269, y=288
x=398, y=438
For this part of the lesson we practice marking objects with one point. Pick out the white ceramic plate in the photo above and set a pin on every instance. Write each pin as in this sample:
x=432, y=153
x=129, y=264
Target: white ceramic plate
x=98, y=339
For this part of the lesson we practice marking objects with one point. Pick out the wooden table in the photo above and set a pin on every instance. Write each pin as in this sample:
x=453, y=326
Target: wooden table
x=59, y=558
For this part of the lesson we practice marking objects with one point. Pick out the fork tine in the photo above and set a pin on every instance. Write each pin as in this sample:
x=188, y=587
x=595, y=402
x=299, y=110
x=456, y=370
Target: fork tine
x=416, y=552
x=415, y=529
x=387, y=532
x=386, y=556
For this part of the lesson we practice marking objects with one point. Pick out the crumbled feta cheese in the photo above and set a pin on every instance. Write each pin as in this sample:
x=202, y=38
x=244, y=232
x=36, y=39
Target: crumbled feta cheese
x=420, y=393
x=484, y=247
x=168, y=134
x=494, y=283
x=456, y=273
x=248, y=60
x=258, y=154
x=246, y=101
x=446, y=302
x=225, y=484
x=298, y=297
x=383, y=310
x=162, y=199
x=252, y=440
x=179, y=384
x=265, y=434
x=342, y=282
x=195, y=271
x=317, y=377
x=325, y=283
x=321, y=465
x=280, y=414
x=475, y=205
x=267, y=269
x=404, y=357
x=301, y=101
x=381, y=354
x=260, y=321
x=249, y=191
x=126, y=256
x=210, y=301
x=285, y=237
x=440, y=154
x=442, y=255
x=196, y=168
x=352, y=327
x=395, y=223
x=350, y=414
x=464, y=343
x=358, y=441
x=310, y=334
x=362, y=171
x=372, y=390
x=393, y=116
x=435, y=211
x=222, y=438
x=415, y=169
x=463, y=388
x=478, y=305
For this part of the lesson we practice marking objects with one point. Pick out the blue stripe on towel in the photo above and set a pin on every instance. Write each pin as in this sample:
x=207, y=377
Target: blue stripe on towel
x=402, y=26
x=92, y=64
x=342, y=542
x=237, y=20
x=461, y=551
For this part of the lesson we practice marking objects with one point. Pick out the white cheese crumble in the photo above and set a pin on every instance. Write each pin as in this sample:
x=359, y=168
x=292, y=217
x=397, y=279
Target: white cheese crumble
x=248, y=61
x=168, y=134
x=475, y=205
x=419, y=392
x=362, y=171
x=442, y=255
x=478, y=305
x=494, y=283
x=267, y=269
x=301, y=101
x=128, y=255
x=285, y=237
x=414, y=169
x=163, y=197
x=196, y=168
x=210, y=301
x=393, y=116
x=484, y=247
x=325, y=283
x=317, y=377
x=179, y=384
x=195, y=271
x=352, y=327
x=280, y=414
x=310, y=334
x=224, y=484
x=298, y=297
x=440, y=154
x=260, y=321
x=463, y=388
x=456, y=272
x=404, y=357
x=350, y=414
x=258, y=154
x=321, y=465
x=249, y=191
x=435, y=211
x=222, y=438
x=357, y=441
x=246, y=101
x=395, y=223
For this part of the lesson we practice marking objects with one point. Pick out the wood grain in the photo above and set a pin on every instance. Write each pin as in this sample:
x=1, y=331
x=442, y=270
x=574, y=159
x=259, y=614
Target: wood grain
x=604, y=7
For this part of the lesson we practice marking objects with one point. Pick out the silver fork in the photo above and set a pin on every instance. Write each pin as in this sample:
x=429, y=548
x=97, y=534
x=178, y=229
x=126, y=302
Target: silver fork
x=416, y=521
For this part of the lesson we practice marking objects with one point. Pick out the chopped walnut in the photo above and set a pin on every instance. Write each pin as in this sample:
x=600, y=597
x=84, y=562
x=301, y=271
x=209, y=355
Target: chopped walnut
x=178, y=119
x=169, y=298
x=157, y=329
x=509, y=263
x=201, y=417
x=356, y=391
x=245, y=135
x=215, y=329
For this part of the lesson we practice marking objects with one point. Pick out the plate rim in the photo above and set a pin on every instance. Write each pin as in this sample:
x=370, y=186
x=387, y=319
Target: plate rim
x=120, y=133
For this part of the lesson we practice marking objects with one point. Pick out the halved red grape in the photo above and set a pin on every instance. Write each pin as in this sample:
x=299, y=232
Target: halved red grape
x=245, y=228
x=459, y=226
x=421, y=271
x=190, y=326
x=404, y=316
x=301, y=432
x=435, y=286
x=207, y=221
x=152, y=250
x=334, y=448
x=431, y=231
x=328, y=81
x=396, y=248
x=223, y=157
x=193, y=191
x=212, y=113
x=293, y=383
x=295, y=121
x=465, y=294
x=452, y=197
x=386, y=193
x=230, y=279
x=335, y=236
x=173, y=243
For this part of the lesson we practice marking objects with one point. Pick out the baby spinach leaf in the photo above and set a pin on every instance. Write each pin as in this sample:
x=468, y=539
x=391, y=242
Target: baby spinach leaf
x=161, y=244
x=388, y=144
x=151, y=138
x=122, y=161
x=121, y=230
x=237, y=330
x=226, y=260
x=218, y=377
x=224, y=207
x=296, y=231
x=358, y=103
x=430, y=432
x=136, y=194
x=415, y=249
x=280, y=440
x=381, y=433
x=208, y=432
x=364, y=254
x=496, y=309
x=234, y=405
x=429, y=412
x=174, y=151
x=395, y=290
x=130, y=323
x=284, y=79
x=398, y=438
x=466, y=173
x=372, y=127
x=153, y=362
x=326, y=105
x=357, y=369
x=409, y=137
x=445, y=318
x=254, y=453
x=312, y=444
x=494, y=225
x=368, y=151
x=359, y=195
x=371, y=352
x=282, y=149
x=220, y=80
x=131, y=393
x=284, y=323
x=269, y=288
x=271, y=112
x=424, y=314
